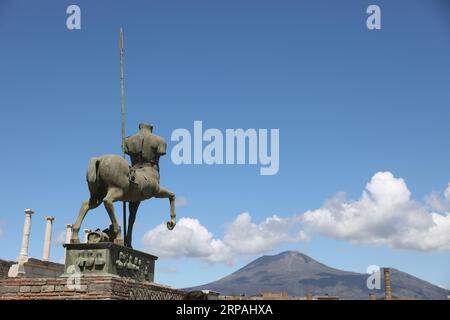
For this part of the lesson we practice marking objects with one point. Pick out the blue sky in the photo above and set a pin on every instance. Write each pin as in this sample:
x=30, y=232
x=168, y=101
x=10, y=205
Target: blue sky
x=349, y=103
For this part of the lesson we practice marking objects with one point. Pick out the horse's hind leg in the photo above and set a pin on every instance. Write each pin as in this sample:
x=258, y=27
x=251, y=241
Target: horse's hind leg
x=164, y=193
x=113, y=195
x=85, y=207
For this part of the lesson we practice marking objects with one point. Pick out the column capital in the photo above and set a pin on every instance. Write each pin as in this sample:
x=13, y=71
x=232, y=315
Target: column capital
x=69, y=225
x=50, y=218
x=29, y=211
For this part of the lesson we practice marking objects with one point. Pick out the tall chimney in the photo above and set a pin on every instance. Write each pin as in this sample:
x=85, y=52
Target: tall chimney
x=26, y=236
x=387, y=283
x=48, y=238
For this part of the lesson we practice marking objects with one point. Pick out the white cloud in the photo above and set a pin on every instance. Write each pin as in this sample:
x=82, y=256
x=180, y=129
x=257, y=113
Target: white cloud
x=385, y=214
x=245, y=237
x=438, y=202
x=242, y=237
x=188, y=239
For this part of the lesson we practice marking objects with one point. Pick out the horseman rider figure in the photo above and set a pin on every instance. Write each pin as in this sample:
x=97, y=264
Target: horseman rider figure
x=144, y=149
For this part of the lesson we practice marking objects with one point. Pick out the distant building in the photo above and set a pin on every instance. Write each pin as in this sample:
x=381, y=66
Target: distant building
x=277, y=296
x=202, y=295
x=326, y=297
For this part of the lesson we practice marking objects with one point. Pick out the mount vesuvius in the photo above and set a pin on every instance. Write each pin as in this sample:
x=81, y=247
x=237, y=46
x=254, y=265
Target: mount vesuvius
x=297, y=274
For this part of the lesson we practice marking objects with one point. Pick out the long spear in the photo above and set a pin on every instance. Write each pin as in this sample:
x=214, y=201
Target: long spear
x=123, y=127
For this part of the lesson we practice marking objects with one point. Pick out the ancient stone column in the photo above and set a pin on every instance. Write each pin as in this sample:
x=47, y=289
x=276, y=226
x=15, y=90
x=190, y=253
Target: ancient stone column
x=26, y=236
x=68, y=232
x=387, y=283
x=69, y=229
x=86, y=233
x=48, y=238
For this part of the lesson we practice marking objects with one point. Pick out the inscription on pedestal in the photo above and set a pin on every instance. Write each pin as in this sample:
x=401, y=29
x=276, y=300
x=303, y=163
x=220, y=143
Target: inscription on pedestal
x=109, y=259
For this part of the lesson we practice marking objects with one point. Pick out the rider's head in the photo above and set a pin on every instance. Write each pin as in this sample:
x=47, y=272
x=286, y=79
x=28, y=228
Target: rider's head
x=147, y=126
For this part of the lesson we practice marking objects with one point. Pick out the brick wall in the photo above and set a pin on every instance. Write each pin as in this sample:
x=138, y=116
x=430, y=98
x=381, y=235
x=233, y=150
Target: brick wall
x=91, y=288
x=4, y=268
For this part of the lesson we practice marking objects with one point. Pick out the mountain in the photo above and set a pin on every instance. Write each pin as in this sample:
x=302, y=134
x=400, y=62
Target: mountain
x=298, y=274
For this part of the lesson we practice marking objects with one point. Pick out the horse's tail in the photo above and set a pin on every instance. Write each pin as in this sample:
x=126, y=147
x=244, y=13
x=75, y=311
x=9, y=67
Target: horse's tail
x=92, y=171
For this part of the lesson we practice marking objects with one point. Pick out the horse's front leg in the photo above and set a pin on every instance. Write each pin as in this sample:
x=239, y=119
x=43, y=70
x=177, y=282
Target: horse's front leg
x=163, y=194
x=133, y=208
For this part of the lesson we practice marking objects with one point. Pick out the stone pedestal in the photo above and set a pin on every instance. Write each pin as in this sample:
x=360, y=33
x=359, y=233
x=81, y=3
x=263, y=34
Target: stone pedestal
x=89, y=288
x=4, y=268
x=34, y=268
x=94, y=271
x=108, y=259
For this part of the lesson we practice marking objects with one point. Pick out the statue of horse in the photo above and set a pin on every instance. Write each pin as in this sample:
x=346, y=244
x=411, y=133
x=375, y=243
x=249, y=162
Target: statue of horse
x=108, y=179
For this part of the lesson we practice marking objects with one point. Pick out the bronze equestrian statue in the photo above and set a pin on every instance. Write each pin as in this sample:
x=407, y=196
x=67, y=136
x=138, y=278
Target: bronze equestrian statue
x=111, y=179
